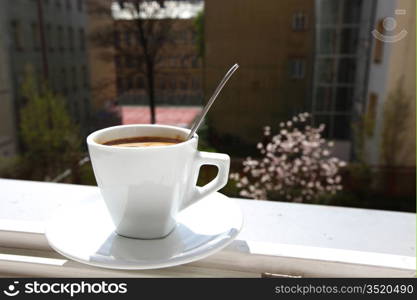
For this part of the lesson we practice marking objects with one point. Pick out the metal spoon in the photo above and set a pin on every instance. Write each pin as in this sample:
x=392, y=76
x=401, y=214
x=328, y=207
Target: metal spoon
x=200, y=119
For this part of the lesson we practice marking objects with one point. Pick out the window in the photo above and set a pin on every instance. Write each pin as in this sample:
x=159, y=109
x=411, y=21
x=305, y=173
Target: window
x=54, y=80
x=82, y=39
x=128, y=38
x=341, y=127
x=49, y=37
x=184, y=61
x=70, y=39
x=196, y=83
x=80, y=5
x=352, y=11
x=74, y=78
x=129, y=83
x=60, y=32
x=117, y=39
x=162, y=83
x=299, y=21
x=173, y=84
x=117, y=61
x=140, y=83
x=64, y=81
x=346, y=70
x=85, y=76
x=325, y=70
x=172, y=61
x=35, y=36
x=138, y=61
x=349, y=40
x=324, y=99
x=17, y=35
x=128, y=61
x=327, y=41
x=297, y=68
x=344, y=99
x=194, y=62
x=86, y=107
x=76, y=110
x=319, y=119
x=119, y=85
x=183, y=84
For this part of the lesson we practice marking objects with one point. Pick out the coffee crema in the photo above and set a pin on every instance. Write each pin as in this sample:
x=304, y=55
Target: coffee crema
x=143, y=141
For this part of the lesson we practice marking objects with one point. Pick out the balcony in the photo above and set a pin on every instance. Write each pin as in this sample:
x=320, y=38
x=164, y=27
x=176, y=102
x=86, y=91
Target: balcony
x=278, y=239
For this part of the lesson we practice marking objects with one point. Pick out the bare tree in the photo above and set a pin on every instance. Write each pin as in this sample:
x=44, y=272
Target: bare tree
x=146, y=27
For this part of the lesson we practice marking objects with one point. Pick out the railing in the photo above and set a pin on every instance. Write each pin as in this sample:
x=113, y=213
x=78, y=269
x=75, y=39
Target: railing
x=68, y=172
x=278, y=239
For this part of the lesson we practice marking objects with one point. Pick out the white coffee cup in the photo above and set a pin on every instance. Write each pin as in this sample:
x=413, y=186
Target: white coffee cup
x=145, y=187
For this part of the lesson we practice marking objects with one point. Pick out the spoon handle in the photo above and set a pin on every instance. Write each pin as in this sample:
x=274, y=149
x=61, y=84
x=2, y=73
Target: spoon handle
x=200, y=119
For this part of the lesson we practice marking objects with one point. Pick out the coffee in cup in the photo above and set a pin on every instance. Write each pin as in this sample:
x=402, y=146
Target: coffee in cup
x=143, y=141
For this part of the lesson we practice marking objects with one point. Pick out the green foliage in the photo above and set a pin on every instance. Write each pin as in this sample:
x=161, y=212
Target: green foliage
x=203, y=139
x=87, y=175
x=396, y=117
x=199, y=27
x=362, y=128
x=9, y=166
x=49, y=137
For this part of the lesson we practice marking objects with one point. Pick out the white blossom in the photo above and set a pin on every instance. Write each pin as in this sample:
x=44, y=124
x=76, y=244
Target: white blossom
x=296, y=163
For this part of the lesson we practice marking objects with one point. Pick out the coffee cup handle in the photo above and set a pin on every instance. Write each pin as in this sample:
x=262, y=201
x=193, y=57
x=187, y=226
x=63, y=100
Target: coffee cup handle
x=222, y=162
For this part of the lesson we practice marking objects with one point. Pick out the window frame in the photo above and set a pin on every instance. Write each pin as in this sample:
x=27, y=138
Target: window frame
x=299, y=21
x=16, y=31
x=297, y=68
x=255, y=253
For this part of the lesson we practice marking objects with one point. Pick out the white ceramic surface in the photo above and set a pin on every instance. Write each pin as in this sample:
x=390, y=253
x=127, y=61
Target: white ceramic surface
x=84, y=232
x=145, y=187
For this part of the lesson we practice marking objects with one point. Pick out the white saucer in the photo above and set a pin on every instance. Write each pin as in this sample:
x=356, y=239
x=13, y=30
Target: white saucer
x=84, y=232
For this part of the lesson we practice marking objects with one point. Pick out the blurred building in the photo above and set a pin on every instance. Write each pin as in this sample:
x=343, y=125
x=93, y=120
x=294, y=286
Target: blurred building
x=273, y=41
x=341, y=61
x=50, y=37
x=117, y=71
x=364, y=52
x=101, y=58
x=392, y=77
x=179, y=72
x=319, y=56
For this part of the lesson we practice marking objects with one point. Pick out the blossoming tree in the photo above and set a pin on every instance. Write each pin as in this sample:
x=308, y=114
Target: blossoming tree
x=295, y=164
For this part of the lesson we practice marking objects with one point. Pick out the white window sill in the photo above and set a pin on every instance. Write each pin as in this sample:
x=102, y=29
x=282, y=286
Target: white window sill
x=279, y=238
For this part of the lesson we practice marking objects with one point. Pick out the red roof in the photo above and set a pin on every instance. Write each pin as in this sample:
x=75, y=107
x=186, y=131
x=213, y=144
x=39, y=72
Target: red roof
x=167, y=115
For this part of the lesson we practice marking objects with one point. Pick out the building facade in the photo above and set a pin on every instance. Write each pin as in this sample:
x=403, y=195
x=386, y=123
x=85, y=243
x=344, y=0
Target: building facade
x=178, y=79
x=341, y=60
x=320, y=56
x=102, y=68
x=364, y=52
x=389, y=107
x=273, y=42
x=118, y=67
x=49, y=36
